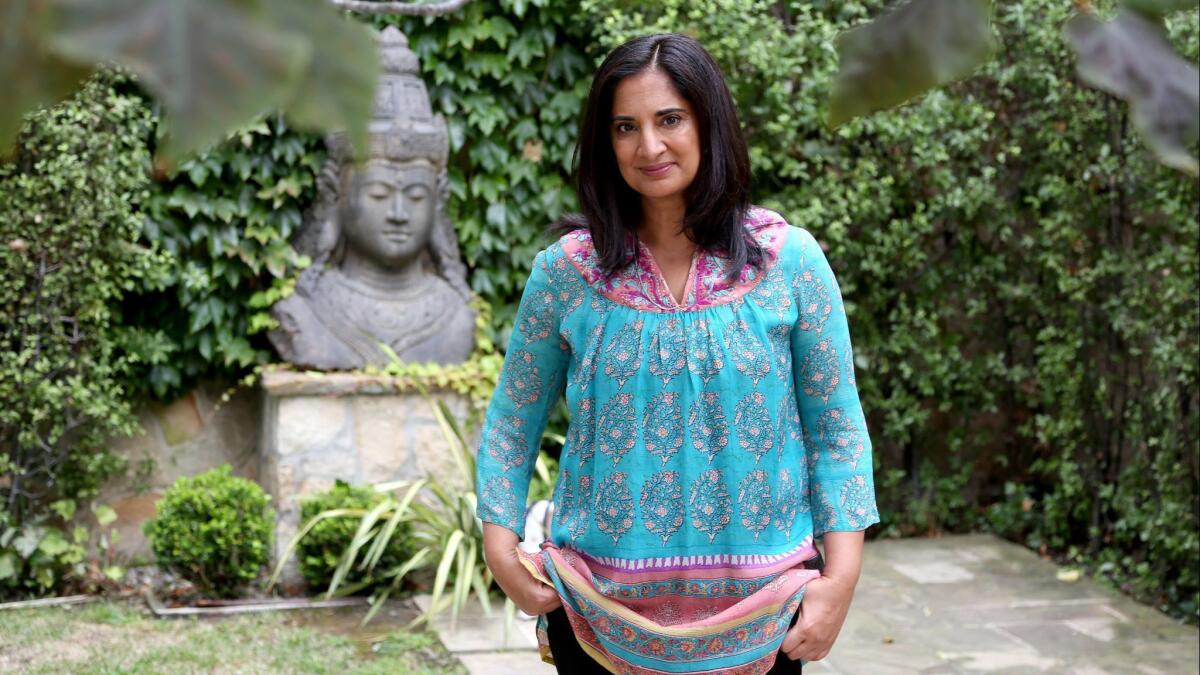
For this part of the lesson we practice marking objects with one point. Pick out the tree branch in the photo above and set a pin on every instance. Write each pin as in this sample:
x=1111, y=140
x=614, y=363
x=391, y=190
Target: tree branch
x=402, y=8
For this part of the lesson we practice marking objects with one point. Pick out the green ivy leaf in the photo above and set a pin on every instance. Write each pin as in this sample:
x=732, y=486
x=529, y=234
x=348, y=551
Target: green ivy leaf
x=53, y=544
x=65, y=508
x=27, y=542
x=8, y=566
x=105, y=514
x=45, y=577
x=907, y=51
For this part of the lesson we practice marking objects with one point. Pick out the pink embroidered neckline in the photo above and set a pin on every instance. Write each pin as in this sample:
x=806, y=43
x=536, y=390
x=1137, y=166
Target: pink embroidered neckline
x=664, y=291
x=641, y=285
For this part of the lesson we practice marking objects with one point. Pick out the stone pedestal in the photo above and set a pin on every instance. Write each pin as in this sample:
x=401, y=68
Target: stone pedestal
x=321, y=427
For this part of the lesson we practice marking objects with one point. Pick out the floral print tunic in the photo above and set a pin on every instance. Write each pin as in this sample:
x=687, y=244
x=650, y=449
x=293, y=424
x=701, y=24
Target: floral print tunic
x=710, y=442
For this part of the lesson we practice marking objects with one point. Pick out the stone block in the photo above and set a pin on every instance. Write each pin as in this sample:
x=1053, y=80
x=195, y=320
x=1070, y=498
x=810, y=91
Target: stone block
x=379, y=436
x=311, y=485
x=144, y=442
x=432, y=452
x=283, y=488
x=936, y=572
x=476, y=631
x=338, y=460
x=180, y=420
x=303, y=424
x=132, y=513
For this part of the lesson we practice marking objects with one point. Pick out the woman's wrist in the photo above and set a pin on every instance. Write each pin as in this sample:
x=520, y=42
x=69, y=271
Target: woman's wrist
x=499, y=545
x=843, y=558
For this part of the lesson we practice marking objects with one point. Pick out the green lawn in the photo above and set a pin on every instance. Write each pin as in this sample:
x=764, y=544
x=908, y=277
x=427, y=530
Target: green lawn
x=115, y=637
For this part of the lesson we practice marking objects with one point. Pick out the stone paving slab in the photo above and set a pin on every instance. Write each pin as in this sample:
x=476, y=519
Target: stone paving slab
x=955, y=605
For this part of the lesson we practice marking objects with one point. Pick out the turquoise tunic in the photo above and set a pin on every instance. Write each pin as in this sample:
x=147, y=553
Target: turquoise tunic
x=727, y=426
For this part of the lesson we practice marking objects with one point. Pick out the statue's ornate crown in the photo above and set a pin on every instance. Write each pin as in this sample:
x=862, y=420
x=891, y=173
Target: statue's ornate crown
x=403, y=126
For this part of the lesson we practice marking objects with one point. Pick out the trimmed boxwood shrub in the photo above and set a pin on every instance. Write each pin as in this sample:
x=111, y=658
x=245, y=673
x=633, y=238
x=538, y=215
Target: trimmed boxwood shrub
x=215, y=529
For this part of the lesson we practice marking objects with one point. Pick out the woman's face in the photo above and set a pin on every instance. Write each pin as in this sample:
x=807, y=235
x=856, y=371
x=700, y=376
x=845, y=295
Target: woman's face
x=655, y=136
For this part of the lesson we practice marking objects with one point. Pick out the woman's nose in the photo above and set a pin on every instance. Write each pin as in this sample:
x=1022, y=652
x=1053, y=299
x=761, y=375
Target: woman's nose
x=652, y=144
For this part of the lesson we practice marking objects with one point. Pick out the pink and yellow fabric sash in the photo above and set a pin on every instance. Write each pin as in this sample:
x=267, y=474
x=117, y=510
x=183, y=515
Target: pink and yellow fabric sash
x=691, y=617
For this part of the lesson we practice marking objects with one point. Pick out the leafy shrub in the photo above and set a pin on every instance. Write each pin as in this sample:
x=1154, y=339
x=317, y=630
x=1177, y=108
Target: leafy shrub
x=226, y=218
x=68, y=223
x=214, y=528
x=41, y=556
x=321, y=549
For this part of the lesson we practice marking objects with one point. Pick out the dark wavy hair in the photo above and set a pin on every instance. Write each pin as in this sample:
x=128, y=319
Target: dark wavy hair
x=719, y=195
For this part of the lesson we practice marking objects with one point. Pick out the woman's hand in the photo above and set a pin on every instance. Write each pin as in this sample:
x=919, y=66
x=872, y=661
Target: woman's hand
x=526, y=591
x=822, y=613
x=827, y=598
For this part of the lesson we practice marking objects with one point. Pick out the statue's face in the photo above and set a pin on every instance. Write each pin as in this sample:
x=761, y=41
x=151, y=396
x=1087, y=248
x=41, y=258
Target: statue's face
x=387, y=211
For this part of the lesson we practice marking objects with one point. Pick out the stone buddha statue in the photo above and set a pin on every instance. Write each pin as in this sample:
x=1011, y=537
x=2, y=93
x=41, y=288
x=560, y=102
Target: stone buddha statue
x=386, y=272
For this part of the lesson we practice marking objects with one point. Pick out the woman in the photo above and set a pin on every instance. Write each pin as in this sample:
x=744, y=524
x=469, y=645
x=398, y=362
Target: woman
x=715, y=425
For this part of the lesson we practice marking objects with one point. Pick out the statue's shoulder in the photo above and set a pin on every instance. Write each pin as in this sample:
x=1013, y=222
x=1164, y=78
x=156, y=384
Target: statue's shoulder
x=301, y=337
x=296, y=307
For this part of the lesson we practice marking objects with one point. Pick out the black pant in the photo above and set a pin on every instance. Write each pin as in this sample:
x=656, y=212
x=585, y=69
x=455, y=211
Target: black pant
x=569, y=657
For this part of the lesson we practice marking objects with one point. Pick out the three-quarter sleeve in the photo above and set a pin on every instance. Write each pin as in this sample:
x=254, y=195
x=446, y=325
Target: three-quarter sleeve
x=841, y=486
x=531, y=381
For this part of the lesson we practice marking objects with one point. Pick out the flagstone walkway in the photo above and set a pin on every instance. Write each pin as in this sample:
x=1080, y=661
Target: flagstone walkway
x=959, y=604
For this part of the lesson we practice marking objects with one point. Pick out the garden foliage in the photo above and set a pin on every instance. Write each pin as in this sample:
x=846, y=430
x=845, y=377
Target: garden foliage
x=225, y=219
x=215, y=529
x=69, y=202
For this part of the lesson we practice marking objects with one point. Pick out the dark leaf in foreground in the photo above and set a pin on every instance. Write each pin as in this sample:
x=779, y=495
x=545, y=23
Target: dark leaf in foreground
x=338, y=89
x=1160, y=8
x=907, y=51
x=32, y=77
x=215, y=65
x=1130, y=57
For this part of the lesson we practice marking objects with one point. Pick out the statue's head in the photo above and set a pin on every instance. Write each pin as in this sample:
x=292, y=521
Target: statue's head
x=389, y=207
x=387, y=210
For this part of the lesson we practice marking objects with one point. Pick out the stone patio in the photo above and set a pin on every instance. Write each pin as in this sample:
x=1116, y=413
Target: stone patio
x=960, y=604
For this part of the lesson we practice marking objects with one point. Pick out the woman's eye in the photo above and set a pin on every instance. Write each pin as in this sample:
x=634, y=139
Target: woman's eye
x=624, y=127
x=672, y=120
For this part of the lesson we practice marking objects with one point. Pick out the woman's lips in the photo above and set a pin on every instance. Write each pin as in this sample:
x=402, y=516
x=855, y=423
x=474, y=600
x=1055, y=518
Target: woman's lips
x=656, y=170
